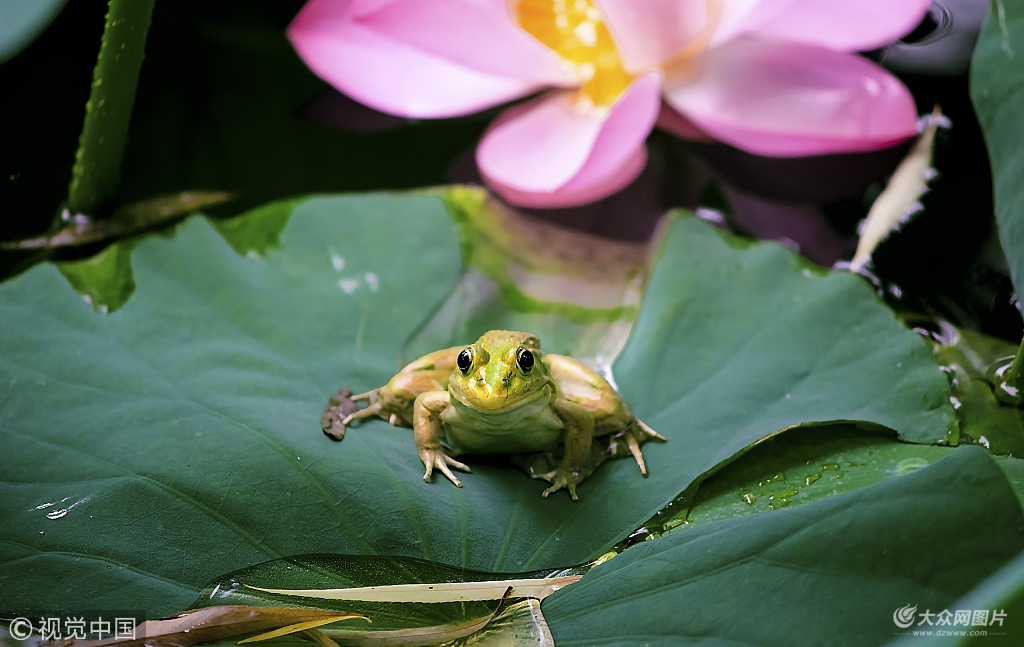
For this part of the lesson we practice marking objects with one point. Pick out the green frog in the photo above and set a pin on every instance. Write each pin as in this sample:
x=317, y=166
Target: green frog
x=502, y=395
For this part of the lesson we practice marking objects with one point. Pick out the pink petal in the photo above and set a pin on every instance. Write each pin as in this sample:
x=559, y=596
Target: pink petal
x=649, y=32
x=551, y=145
x=847, y=26
x=478, y=34
x=363, y=8
x=671, y=121
x=573, y=195
x=788, y=100
x=732, y=19
x=389, y=75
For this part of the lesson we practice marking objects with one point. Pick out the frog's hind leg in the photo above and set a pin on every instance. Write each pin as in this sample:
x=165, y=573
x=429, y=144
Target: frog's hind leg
x=376, y=408
x=649, y=433
x=634, y=436
x=372, y=410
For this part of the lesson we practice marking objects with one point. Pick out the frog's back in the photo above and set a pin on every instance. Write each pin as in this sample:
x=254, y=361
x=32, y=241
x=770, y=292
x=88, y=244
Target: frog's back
x=577, y=382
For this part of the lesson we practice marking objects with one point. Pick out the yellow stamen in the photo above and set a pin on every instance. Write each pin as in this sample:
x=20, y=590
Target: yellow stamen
x=575, y=30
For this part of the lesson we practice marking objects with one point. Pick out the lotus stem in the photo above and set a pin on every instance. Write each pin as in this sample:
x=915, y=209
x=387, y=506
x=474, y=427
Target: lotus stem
x=97, y=168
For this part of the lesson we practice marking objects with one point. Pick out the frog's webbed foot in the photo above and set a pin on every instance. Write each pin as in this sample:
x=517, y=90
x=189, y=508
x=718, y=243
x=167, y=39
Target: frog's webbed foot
x=634, y=436
x=342, y=411
x=339, y=406
x=437, y=458
x=560, y=478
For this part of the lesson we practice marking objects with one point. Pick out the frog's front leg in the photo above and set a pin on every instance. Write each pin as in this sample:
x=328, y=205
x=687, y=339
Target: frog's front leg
x=426, y=426
x=578, y=438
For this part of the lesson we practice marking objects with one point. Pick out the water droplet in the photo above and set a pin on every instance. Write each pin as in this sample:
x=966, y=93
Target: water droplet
x=748, y=497
x=908, y=465
x=57, y=514
x=811, y=478
x=983, y=442
x=833, y=467
x=372, y=281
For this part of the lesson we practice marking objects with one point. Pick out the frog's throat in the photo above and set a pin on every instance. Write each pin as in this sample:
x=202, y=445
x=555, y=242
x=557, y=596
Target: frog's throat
x=500, y=404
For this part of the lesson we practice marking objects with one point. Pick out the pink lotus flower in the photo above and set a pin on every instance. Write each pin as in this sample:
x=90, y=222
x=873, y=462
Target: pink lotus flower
x=772, y=77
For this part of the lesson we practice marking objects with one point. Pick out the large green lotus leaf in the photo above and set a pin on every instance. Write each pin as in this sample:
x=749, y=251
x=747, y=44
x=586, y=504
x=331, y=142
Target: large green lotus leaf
x=826, y=573
x=801, y=466
x=176, y=439
x=997, y=90
x=736, y=342
x=1014, y=470
x=1001, y=595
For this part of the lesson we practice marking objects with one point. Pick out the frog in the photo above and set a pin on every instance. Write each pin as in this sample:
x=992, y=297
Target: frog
x=503, y=395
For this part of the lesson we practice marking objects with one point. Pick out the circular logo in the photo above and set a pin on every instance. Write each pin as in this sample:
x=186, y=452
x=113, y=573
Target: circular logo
x=21, y=628
x=904, y=617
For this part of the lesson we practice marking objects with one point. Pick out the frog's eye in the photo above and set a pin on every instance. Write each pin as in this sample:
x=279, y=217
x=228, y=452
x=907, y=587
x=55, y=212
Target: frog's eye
x=465, y=360
x=525, y=360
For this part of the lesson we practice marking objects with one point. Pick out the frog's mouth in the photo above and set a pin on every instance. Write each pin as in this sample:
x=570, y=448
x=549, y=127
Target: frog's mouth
x=496, y=402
